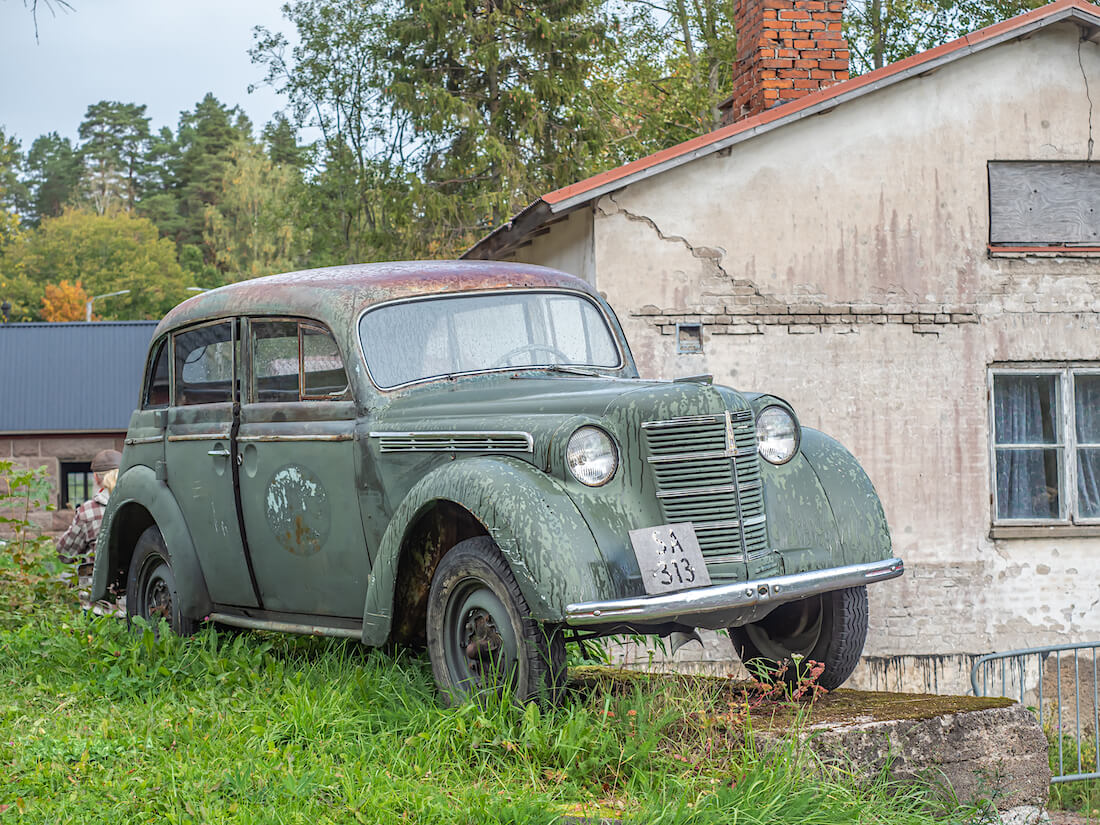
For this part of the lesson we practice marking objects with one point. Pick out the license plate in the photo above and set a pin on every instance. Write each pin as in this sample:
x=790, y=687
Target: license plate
x=669, y=558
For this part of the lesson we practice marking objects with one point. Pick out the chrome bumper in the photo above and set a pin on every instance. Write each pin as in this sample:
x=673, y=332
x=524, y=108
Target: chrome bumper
x=727, y=605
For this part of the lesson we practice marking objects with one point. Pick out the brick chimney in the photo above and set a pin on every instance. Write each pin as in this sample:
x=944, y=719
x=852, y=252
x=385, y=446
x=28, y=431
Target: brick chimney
x=785, y=50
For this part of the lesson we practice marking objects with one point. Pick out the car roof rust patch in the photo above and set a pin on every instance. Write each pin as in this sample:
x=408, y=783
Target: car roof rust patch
x=337, y=294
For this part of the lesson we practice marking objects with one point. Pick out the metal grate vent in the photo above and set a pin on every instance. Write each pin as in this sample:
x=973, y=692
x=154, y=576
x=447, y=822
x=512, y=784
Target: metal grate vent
x=707, y=471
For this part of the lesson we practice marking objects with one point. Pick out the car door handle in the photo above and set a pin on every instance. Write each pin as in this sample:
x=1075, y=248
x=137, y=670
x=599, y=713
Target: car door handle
x=222, y=453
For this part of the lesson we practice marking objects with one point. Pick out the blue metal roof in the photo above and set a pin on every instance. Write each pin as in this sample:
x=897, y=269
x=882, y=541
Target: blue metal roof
x=73, y=377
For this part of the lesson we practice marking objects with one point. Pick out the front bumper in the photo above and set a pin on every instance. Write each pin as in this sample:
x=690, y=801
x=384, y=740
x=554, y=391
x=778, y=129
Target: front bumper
x=728, y=605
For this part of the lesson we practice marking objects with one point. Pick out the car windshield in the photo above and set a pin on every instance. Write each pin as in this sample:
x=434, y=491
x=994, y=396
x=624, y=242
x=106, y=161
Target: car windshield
x=420, y=339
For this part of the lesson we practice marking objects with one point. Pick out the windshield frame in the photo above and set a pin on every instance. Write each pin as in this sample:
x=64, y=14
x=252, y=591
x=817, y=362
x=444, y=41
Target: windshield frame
x=612, y=328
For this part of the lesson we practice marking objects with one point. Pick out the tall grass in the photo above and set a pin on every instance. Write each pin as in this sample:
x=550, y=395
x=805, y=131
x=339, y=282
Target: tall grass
x=103, y=724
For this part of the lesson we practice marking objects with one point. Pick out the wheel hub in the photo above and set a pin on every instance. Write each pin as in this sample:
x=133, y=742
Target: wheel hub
x=158, y=602
x=483, y=639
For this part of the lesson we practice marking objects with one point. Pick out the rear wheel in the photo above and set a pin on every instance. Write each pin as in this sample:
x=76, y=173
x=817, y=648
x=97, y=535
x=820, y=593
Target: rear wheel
x=830, y=629
x=151, y=591
x=481, y=637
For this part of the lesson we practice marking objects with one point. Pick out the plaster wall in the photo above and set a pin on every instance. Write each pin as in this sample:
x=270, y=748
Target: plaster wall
x=568, y=246
x=841, y=262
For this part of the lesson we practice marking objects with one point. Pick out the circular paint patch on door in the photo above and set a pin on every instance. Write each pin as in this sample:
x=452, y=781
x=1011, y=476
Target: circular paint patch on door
x=298, y=510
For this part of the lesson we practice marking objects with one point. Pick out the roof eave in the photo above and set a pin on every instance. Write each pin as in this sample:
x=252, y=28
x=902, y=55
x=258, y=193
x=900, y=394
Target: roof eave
x=508, y=236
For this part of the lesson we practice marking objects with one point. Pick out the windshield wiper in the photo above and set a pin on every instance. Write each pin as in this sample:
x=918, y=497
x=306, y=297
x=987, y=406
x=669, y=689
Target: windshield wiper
x=563, y=368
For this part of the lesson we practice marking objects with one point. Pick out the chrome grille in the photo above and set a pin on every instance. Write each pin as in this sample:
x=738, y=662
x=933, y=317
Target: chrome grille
x=694, y=461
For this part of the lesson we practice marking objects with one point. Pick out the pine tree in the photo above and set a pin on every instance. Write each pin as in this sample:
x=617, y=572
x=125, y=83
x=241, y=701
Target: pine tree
x=116, y=137
x=498, y=94
x=53, y=176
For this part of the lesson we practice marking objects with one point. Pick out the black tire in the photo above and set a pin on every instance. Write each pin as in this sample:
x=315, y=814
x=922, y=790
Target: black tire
x=481, y=637
x=151, y=587
x=830, y=628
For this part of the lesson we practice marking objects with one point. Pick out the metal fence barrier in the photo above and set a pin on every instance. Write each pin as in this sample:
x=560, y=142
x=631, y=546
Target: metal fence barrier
x=1052, y=682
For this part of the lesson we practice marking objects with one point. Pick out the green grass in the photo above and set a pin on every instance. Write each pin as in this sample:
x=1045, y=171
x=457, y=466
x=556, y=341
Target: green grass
x=1082, y=796
x=100, y=724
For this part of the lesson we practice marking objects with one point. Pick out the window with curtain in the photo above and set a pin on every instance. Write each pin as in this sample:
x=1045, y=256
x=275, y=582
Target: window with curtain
x=1046, y=445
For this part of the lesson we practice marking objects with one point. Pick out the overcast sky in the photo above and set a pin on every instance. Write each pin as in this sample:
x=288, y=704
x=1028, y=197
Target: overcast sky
x=166, y=54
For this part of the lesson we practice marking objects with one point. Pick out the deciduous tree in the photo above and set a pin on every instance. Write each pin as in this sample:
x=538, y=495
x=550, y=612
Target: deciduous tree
x=106, y=253
x=880, y=32
x=334, y=79
x=252, y=230
x=64, y=302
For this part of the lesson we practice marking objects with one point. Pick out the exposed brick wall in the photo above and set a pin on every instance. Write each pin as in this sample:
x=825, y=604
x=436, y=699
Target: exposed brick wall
x=785, y=50
x=745, y=311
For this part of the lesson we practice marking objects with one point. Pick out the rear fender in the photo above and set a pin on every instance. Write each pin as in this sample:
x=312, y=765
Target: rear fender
x=138, y=501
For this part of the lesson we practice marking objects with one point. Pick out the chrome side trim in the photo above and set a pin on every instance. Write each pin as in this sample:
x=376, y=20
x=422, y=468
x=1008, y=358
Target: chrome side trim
x=320, y=437
x=686, y=605
x=456, y=441
x=148, y=439
x=286, y=627
x=199, y=437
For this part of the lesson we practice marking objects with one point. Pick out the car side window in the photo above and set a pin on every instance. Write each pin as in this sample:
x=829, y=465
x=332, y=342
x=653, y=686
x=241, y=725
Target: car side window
x=205, y=368
x=323, y=373
x=293, y=361
x=155, y=396
x=275, y=360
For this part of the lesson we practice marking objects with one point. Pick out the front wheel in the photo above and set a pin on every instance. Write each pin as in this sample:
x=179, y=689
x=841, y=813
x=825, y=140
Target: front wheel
x=151, y=587
x=481, y=637
x=830, y=629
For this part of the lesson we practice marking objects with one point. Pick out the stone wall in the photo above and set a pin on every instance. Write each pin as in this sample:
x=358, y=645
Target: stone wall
x=49, y=451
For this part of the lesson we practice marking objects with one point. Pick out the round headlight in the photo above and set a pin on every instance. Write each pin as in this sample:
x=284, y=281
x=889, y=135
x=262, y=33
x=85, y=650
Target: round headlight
x=776, y=435
x=591, y=456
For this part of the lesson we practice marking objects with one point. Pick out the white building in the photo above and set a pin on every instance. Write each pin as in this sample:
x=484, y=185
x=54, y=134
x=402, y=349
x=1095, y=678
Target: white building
x=910, y=258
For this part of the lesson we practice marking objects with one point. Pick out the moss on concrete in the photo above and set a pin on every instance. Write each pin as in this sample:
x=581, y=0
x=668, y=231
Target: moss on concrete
x=839, y=707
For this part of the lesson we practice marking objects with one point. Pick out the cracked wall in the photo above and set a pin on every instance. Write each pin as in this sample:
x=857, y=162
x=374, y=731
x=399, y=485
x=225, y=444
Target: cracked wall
x=841, y=262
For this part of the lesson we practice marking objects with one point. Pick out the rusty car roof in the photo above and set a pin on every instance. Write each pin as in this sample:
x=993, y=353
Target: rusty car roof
x=337, y=294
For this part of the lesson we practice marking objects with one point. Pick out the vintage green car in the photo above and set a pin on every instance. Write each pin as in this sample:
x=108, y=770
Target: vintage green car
x=462, y=455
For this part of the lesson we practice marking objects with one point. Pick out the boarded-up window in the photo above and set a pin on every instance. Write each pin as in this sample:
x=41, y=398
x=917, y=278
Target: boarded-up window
x=1036, y=203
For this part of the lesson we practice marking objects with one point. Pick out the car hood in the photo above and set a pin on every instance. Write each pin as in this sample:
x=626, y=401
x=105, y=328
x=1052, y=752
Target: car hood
x=539, y=404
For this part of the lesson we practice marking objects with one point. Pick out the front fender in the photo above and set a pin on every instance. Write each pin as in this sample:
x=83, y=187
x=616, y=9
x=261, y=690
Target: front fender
x=822, y=508
x=539, y=530
x=137, y=496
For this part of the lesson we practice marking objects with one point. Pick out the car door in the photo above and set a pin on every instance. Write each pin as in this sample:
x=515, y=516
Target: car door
x=199, y=455
x=298, y=472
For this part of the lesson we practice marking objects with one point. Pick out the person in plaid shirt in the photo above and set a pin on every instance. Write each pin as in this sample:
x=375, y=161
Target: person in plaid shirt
x=77, y=544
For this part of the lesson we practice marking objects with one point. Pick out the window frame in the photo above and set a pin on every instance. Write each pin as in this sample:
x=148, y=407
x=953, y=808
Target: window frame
x=64, y=470
x=1026, y=249
x=235, y=343
x=162, y=346
x=1067, y=445
x=300, y=322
